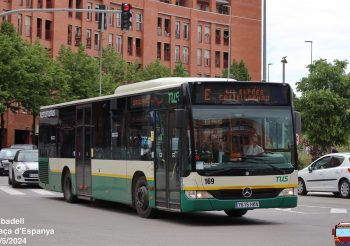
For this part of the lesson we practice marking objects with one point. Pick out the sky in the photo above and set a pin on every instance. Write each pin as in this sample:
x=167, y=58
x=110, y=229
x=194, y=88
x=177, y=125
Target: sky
x=291, y=22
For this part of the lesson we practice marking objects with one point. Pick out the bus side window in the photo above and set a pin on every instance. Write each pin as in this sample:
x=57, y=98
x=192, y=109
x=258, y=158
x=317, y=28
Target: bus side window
x=117, y=129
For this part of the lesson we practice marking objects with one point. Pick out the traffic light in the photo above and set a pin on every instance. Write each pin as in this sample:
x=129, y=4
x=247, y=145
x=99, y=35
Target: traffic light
x=126, y=16
x=100, y=16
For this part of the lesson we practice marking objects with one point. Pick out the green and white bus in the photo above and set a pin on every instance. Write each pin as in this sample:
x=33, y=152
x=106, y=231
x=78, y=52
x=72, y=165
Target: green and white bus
x=175, y=144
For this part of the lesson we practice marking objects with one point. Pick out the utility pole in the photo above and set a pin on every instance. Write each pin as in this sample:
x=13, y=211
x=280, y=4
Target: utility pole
x=284, y=61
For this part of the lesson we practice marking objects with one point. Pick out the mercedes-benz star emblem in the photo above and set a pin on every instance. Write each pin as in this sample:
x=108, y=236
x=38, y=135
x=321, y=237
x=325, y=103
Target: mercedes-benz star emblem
x=247, y=192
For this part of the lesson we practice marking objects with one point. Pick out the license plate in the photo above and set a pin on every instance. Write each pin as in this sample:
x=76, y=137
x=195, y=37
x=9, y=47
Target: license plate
x=33, y=175
x=247, y=205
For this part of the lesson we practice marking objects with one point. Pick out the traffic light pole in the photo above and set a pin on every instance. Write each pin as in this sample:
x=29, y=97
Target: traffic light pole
x=101, y=50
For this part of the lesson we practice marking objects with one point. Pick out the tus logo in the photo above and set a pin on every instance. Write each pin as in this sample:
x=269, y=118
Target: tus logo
x=282, y=179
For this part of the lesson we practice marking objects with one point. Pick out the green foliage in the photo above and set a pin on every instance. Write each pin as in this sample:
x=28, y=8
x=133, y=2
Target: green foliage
x=304, y=159
x=180, y=71
x=155, y=70
x=238, y=71
x=82, y=71
x=324, y=104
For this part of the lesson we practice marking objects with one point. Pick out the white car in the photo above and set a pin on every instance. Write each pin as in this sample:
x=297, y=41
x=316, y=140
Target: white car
x=329, y=173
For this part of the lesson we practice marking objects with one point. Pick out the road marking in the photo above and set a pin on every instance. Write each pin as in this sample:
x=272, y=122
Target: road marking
x=11, y=191
x=42, y=192
x=338, y=211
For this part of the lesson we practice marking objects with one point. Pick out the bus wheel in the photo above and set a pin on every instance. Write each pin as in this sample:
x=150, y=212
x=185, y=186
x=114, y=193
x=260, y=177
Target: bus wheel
x=141, y=199
x=344, y=188
x=67, y=189
x=236, y=213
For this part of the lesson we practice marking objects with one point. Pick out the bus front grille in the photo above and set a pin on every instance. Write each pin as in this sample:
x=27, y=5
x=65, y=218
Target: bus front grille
x=238, y=194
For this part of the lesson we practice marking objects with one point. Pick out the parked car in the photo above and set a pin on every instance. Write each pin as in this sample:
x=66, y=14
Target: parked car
x=6, y=156
x=24, y=168
x=329, y=173
x=24, y=146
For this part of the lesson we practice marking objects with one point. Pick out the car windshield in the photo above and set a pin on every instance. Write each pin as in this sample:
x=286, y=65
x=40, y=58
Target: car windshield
x=28, y=156
x=249, y=138
x=8, y=153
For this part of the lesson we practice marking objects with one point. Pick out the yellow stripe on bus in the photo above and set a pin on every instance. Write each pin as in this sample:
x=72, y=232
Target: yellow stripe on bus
x=59, y=171
x=241, y=187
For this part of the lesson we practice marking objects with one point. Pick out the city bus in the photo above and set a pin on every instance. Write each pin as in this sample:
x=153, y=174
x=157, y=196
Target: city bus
x=341, y=234
x=175, y=144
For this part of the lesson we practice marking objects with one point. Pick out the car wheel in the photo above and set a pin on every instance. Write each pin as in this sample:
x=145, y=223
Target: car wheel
x=236, y=213
x=141, y=199
x=344, y=188
x=14, y=183
x=67, y=189
x=301, y=187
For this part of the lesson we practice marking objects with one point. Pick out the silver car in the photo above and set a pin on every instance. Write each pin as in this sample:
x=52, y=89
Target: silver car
x=24, y=168
x=6, y=157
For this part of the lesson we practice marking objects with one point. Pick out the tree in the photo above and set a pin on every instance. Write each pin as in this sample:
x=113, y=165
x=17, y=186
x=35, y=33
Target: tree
x=238, y=71
x=12, y=49
x=82, y=71
x=179, y=70
x=324, y=104
x=155, y=70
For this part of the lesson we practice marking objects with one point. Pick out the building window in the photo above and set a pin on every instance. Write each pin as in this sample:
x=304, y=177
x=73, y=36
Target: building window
x=177, y=29
x=19, y=23
x=70, y=34
x=217, y=58
x=207, y=58
x=111, y=18
x=119, y=20
x=159, y=50
x=40, y=4
x=167, y=52
x=119, y=44
x=207, y=34
x=185, y=54
x=110, y=39
x=138, y=22
x=225, y=59
x=159, y=26
x=77, y=35
x=186, y=31
x=138, y=47
x=199, y=34
x=88, y=14
x=129, y=46
x=38, y=27
x=88, y=38
x=97, y=41
x=167, y=27
x=27, y=25
x=28, y=4
x=226, y=37
x=199, y=57
x=96, y=14
x=218, y=36
x=70, y=5
x=177, y=53
x=48, y=4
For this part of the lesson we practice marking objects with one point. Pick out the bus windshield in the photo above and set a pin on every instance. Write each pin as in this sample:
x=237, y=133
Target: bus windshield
x=255, y=139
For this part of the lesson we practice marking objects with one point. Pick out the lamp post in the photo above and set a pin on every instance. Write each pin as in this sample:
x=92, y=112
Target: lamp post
x=310, y=41
x=264, y=41
x=268, y=71
x=284, y=61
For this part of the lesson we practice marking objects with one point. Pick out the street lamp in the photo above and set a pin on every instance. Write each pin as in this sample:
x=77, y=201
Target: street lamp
x=268, y=71
x=284, y=61
x=310, y=41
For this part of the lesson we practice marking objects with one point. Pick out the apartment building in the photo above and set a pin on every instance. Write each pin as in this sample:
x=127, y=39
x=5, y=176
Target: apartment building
x=200, y=33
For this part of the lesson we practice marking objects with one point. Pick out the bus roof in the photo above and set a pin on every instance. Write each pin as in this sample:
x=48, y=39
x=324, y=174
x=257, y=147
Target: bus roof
x=141, y=87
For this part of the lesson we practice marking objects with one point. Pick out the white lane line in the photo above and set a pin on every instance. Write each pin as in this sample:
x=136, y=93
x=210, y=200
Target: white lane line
x=11, y=191
x=42, y=192
x=338, y=211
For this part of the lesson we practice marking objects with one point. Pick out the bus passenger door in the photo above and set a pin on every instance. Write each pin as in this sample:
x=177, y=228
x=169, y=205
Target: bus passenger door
x=167, y=160
x=83, y=150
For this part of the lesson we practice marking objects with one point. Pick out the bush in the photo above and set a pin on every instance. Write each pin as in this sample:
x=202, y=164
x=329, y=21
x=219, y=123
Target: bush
x=304, y=159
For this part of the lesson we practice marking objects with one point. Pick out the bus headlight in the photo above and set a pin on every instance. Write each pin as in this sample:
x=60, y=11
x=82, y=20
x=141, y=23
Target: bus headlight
x=198, y=194
x=288, y=192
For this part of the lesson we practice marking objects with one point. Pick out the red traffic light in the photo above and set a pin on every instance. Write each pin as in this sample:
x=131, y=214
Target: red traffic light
x=126, y=7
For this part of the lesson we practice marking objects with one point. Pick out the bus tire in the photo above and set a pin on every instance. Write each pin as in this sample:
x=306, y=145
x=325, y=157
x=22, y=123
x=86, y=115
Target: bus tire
x=301, y=187
x=67, y=189
x=14, y=183
x=141, y=199
x=236, y=213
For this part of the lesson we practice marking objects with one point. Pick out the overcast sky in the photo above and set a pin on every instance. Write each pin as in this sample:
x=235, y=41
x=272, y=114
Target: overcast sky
x=291, y=22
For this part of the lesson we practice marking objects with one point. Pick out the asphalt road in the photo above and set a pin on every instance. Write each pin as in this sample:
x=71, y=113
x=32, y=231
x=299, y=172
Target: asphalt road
x=56, y=222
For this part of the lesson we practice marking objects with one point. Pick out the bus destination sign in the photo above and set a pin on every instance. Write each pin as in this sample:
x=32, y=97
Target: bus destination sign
x=239, y=93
